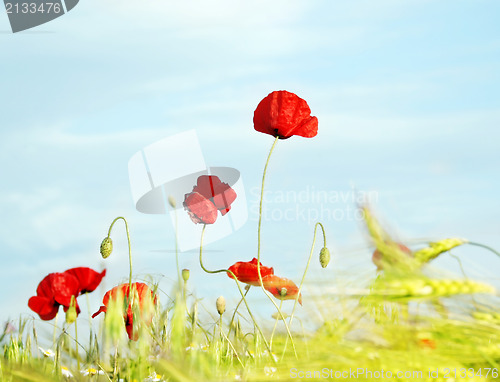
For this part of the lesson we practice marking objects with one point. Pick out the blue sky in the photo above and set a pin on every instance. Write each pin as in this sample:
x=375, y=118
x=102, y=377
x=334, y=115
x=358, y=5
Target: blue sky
x=406, y=94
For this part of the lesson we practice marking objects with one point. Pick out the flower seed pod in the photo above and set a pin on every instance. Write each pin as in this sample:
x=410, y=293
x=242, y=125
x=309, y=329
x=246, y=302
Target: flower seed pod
x=283, y=292
x=185, y=274
x=171, y=201
x=106, y=247
x=221, y=305
x=324, y=257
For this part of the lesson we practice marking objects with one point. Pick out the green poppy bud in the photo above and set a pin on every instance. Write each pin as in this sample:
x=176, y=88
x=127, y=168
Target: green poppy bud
x=220, y=304
x=71, y=313
x=185, y=274
x=324, y=257
x=106, y=247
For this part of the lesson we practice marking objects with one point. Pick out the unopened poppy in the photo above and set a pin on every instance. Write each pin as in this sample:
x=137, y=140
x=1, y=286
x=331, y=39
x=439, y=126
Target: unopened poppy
x=379, y=259
x=283, y=114
x=145, y=300
x=246, y=272
x=281, y=288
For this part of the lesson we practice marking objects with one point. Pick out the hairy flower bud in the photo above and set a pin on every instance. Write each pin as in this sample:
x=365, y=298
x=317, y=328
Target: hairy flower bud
x=106, y=247
x=221, y=305
x=324, y=257
x=185, y=274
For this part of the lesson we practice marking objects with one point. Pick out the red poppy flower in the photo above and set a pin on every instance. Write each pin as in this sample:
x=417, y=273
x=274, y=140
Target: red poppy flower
x=378, y=258
x=246, y=272
x=283, y=114
x=209, y=196
x=54, y=290
x=57, y=289
x=145, y=298
x=276, y=286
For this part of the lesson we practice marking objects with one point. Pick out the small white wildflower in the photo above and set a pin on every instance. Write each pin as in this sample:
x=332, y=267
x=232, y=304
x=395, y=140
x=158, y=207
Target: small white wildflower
x=65, y=372
x=91, y=371
x=153, y=378
x=49, y=353
x=269, y=370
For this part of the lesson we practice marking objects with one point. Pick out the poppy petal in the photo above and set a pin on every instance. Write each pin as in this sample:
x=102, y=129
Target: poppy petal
x=283, y=114
x=64, y=286
x=200, y=209
x=101, y=309
x=206, y=185
x=88, y=279
x=224, y=197
x=45, y=307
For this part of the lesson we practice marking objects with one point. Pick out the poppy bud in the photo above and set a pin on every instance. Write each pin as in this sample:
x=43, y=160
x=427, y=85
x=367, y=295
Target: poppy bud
x=185, y=274
x=106, y=247
x=221, y=305
x=283, y=292
x=324, y=257
x=71, y=313
x=171, y=201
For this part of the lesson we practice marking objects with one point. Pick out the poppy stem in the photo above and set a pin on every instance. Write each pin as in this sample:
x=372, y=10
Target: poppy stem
x=484, y=246
x=258, y=246
x=76, y=345
x=177, y=251
x=129, y=247
x=305, y=273
x=237, y=284
x=236, y=309
x=275, y=325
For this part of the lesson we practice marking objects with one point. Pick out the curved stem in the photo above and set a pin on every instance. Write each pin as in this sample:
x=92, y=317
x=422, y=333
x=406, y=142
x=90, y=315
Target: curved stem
x=129, y=247
x=177, y=251
x=274, y=328
x=258, y=246
x=305, y=272
x=237, y=284
x=262, y=199
x=76, y=345
x=484, y=246
x=236, y=309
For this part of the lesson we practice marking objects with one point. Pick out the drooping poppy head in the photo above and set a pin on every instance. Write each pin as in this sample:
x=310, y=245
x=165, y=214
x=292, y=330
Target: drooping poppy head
x=141, y=302
x=281, y=288
x=380, y=260
x=88, y=279
x=283, y=114
x=246, y=272
x=54, y=290
x=209, y=196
